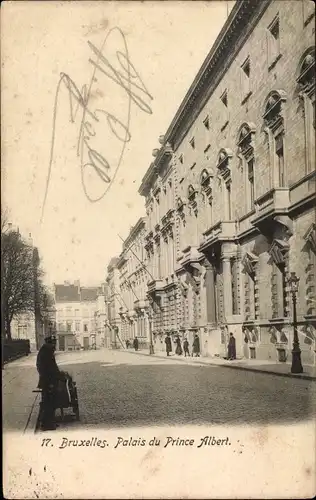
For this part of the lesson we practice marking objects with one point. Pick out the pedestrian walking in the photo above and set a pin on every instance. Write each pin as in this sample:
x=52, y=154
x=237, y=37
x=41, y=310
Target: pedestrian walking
x=196, y=346
x=186, y=348
x=135, y=344
x=127, y=344
x=231, y=347
x=178, y=348
x=168, y=344
x=49, y=376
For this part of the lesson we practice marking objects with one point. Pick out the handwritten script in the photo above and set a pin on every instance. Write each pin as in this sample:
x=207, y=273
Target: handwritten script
x=119, y=70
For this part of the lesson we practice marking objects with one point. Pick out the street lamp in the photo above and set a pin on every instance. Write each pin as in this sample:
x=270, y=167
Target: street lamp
x=296, y=351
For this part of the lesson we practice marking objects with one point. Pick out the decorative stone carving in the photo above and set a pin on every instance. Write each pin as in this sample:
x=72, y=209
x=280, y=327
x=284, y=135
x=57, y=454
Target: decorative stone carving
x=310, y=236
x=205, y=180
x=223, y=163
x=249, y=262
x=306, y=77
x=245, y=147
x=279, y=251
x=273, y=117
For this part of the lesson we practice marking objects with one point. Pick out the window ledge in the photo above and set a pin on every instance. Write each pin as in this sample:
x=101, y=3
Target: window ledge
x=248, y=214
x=247, y=96
x=273, y=64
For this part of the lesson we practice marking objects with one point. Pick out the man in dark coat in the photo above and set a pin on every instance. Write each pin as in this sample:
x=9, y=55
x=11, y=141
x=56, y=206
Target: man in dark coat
x=135, y=343
x=186, y=348
x=49, y=375
x=168, y=344
x=231, y=347
x=196, y=346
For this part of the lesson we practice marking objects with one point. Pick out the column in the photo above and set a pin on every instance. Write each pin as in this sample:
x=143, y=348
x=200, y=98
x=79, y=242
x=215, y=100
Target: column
x=210, y=295
x=227, y=279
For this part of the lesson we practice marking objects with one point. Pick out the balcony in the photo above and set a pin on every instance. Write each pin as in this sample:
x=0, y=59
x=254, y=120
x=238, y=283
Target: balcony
x=221, y=231
x=274, y=202
x=190, y=255
x=155, y=286
x=140, y=304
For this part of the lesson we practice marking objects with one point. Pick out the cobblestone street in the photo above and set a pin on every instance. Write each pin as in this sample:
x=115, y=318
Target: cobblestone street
x=125, y=389
x=119, y=388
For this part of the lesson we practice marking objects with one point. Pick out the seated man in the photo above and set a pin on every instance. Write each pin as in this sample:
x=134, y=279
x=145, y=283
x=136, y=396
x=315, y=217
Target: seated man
x=49, y=375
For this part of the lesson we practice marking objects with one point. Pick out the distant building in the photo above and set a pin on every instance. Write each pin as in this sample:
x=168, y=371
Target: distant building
x=76, y=316
x=113, y=302
x=133, y=277
x=23, y=327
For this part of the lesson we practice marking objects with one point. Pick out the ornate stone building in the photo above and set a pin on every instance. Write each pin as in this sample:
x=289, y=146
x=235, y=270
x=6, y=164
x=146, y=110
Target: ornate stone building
x=230, y=195
x=133, y=278
x=158, y=187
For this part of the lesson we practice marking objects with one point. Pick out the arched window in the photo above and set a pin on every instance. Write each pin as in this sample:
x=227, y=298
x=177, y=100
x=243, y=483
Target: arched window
x=192, y=197
x=274, y=123
x=246, y=153
x=223, y=167
x=306, y=88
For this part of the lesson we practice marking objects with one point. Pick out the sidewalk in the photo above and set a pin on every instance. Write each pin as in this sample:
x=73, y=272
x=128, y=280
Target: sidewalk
x=252, y=365
x=20, y=404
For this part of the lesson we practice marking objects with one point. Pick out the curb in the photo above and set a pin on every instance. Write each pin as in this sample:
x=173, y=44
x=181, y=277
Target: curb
x=235, y=367
x=32, y=421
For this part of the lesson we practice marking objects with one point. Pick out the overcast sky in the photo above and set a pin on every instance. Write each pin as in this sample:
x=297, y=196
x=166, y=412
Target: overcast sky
x=167, y=43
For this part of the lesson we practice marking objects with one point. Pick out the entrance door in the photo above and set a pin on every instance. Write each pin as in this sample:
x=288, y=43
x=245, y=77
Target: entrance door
x=86, y=343
x=61, y=342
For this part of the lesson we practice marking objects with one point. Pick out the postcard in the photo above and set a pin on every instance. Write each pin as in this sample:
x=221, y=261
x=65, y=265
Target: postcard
x=158, y=249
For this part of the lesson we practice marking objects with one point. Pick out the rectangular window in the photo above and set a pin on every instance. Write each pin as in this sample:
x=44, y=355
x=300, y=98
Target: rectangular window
x=234, y=288
x=69, y=325
x=278, y=291
x=273, y=42
x=279, y=151
x=77, y=326
x=245, y=79
x=251, y=184
x=85, y=327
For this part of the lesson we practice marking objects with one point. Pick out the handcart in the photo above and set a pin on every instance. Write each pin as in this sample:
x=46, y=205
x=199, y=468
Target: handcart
x=67, y=396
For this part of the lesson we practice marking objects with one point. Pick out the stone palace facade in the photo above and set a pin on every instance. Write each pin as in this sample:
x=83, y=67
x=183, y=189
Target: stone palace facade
x=230, y=197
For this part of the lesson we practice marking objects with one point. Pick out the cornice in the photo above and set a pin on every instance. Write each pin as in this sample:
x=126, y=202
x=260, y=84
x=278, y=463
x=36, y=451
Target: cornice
x=135, y=230
x=162, y=157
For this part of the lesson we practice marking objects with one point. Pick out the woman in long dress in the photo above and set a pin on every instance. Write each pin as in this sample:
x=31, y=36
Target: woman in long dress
x=178, y=348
